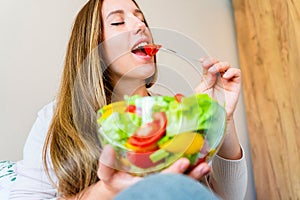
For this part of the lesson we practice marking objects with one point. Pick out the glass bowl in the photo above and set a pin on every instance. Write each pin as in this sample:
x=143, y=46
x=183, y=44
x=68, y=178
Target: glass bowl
x=150, y=133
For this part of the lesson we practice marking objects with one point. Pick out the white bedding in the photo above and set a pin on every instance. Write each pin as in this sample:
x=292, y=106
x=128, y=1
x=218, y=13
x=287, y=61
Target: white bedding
x=7, y=177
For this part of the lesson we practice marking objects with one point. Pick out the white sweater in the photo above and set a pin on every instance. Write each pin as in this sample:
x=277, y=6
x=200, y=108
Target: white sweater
x=229, y=178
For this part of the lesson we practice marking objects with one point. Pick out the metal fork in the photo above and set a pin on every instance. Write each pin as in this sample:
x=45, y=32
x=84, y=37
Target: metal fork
x=187, y=58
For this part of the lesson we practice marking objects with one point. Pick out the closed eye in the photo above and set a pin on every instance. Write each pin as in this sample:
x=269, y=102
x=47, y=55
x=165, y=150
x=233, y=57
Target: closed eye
x=117, y=23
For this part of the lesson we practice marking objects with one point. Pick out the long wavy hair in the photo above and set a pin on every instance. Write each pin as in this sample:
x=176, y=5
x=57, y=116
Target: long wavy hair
x=85, y=87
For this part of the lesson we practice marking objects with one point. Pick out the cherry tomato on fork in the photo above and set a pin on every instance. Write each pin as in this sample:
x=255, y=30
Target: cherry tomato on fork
x=151, y=49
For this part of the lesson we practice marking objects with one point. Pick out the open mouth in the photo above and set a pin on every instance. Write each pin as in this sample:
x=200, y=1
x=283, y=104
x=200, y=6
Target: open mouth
x=140, y=50
x=144, y=49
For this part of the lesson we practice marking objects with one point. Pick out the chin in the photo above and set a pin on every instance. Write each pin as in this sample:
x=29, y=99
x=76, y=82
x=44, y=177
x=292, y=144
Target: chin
x=145, y=71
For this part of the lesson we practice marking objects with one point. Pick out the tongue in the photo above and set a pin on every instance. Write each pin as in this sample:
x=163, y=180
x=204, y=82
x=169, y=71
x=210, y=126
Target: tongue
x=139, y=52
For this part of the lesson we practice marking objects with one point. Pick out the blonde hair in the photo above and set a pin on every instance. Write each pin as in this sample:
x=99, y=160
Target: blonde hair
x=85, y=87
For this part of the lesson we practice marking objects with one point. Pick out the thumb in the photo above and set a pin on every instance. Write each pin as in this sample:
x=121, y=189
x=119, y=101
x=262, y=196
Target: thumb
x=106, y=163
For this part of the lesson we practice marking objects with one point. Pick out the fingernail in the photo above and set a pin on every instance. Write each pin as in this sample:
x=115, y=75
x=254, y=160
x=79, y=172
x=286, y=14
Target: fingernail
x=225, y=75
x=184, y=165
x=212, y=69
x=205, y=170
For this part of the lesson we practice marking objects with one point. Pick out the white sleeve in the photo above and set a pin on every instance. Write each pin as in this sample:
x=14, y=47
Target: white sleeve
x=229, y=177
x=32, y=182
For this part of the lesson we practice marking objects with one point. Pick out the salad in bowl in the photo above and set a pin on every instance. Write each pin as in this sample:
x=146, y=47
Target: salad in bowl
x=150, y=133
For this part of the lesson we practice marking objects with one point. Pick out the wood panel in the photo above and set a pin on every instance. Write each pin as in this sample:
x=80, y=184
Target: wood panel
x=268, y=34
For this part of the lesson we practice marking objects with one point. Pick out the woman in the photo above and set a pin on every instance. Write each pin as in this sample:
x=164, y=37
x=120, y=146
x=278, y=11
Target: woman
x=67, y=127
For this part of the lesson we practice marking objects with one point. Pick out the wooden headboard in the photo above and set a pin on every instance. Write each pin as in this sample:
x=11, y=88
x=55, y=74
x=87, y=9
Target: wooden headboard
x=268, y=35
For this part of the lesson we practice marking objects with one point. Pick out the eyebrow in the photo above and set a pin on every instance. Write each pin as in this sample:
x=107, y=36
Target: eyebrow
x=115, y=12
x=136, y=11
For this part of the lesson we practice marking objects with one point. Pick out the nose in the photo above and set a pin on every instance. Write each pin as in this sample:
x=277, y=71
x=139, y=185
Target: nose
x=138, y=26
x=141, y=27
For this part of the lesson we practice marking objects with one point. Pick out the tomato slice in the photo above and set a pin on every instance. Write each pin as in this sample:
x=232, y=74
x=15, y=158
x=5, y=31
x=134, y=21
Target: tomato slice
x=178, y=97
x=141, y=160
x=150, y=132
x=151, y=49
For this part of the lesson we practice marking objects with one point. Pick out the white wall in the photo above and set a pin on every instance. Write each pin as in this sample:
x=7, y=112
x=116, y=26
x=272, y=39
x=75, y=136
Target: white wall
x=33, y=38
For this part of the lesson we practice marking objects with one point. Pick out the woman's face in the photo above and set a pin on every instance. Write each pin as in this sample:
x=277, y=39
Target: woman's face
x=124, y=30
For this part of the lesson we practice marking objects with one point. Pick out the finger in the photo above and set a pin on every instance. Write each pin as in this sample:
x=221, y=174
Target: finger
x=232, y=73
x=207, y=63
x=121, y=180
x=220, y=67
x=200, y=171
x=180, y=166
x=106, y=163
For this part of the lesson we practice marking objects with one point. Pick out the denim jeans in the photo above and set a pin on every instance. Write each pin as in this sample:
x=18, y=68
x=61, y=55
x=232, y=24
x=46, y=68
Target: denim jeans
x=167, y=187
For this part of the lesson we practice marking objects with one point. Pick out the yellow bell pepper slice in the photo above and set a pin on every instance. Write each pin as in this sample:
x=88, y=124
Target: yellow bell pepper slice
x=187, y=143
x=107, y=110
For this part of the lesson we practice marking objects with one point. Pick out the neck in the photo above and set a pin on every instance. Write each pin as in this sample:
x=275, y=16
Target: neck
x=130, y=88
